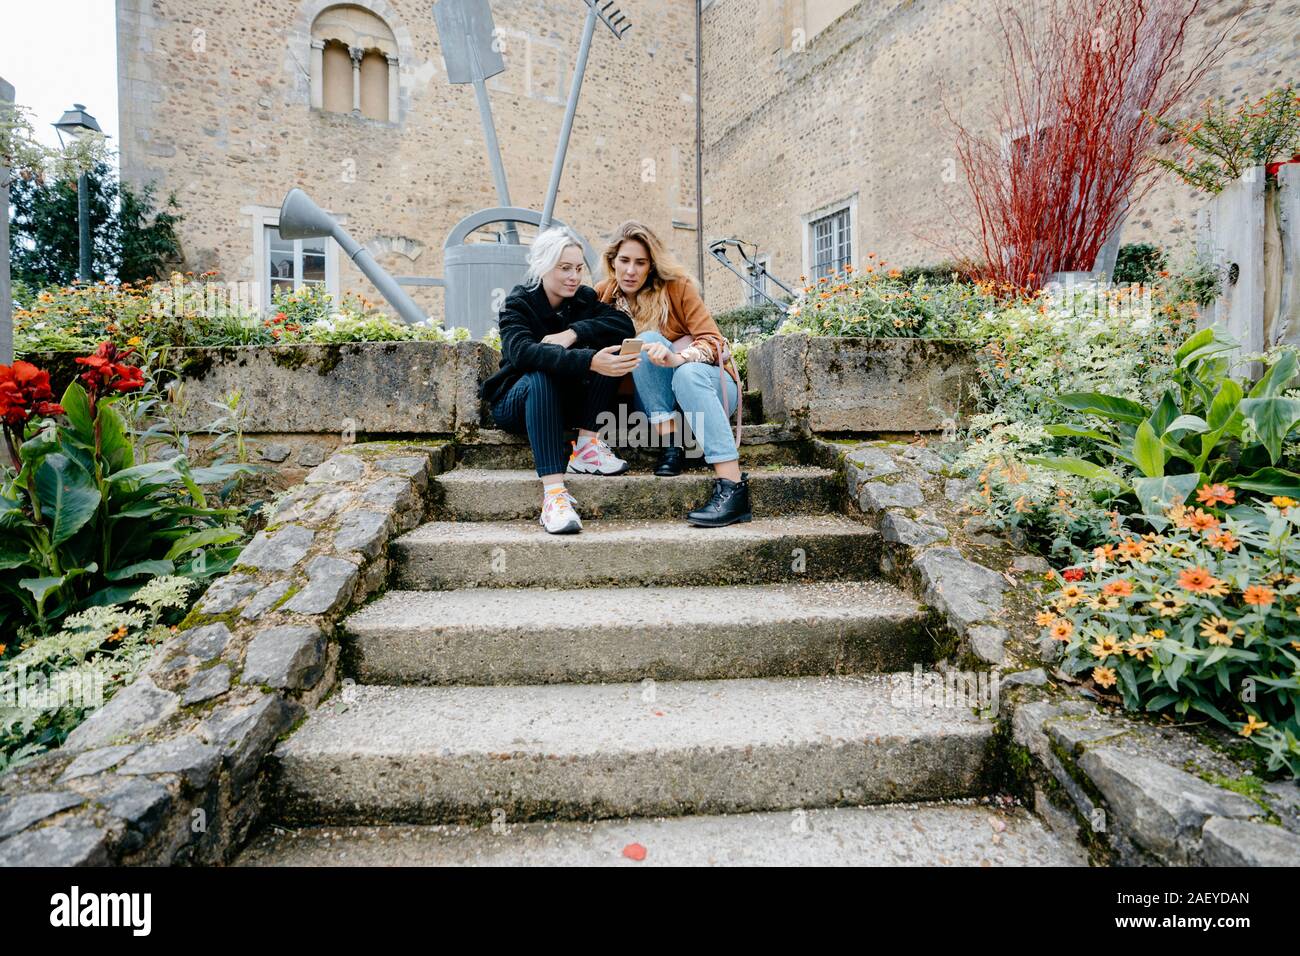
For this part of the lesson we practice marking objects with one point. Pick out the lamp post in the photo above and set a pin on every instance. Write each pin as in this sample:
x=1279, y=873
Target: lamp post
x=77, y=123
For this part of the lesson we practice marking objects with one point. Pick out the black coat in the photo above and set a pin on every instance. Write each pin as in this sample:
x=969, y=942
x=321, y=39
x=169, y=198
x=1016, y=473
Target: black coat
x=527, y=317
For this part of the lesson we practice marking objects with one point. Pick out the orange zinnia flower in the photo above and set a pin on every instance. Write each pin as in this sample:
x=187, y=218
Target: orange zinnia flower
x=1104, y=676
x=1200, y=520
x=1045, y=619
x=1199, y=581
x=1258, y=595
x=1120, y=587
x=1062, y=630
x=1216, y=494
x=1224, y=541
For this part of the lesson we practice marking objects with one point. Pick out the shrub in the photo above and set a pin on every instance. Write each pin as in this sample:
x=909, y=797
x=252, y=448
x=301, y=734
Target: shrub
x=1203, y=429
x=876, y=302
x=49, y=684
x=1201, y=617
x=1138, y=262
x=1219, y=146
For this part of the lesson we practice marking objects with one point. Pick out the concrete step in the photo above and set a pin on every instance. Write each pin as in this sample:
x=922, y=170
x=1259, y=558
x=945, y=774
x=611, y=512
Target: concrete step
x=488, y=494
x=760, y=444
x=962, y=834
x=376, y=754
x=535, y=636
x=442, y=555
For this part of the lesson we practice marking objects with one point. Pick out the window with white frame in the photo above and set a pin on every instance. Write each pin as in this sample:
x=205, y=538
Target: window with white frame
x=292, y=264
x=757, y=281
x=831, y=241
x=284, y=265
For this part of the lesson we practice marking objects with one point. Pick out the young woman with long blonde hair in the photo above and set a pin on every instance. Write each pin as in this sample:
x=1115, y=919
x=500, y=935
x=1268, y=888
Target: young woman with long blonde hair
x=644, y=281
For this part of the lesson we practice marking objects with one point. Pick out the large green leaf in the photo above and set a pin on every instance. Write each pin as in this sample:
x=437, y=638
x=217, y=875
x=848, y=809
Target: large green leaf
x=201, y=539
x=154, y=473
x=13, y=558
x=1105, y=406
x=1270, y=481
x=114, y=443
x=1277, y=378
x=1188, y=423
x=1164, y=414
x=1077, y=466
x=151, y=568
x=68, y=496
x=1073, y=431
x=41, y=588
x=1272, y=419
x=76, y=403
x=1148, y=452
x=1158, y=495
x=1202, y=345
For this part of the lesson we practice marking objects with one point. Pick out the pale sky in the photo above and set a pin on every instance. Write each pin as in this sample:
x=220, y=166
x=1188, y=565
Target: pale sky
x=60, y=52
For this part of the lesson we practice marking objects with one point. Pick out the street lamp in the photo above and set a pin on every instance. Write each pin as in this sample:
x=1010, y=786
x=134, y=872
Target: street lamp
x=77, y=123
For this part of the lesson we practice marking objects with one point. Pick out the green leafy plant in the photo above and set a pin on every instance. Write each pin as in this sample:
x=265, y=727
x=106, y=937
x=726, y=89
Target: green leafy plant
x=1204, y=429
x=81, y=522
x=1218, y=148
x=1200, y=618
x=1139, y=262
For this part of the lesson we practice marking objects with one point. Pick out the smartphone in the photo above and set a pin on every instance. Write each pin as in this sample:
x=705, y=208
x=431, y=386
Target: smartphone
x=631, y=347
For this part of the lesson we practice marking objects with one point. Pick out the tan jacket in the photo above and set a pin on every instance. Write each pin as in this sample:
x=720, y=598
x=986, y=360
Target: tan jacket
x=687, y=315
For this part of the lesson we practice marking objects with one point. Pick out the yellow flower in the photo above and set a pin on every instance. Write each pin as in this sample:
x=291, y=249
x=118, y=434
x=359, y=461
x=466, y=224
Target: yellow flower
x=1138, y=648
x=1219, y=630
x=1105, y=602
x=1072, y=594
x=1104, y=676
x=1156, y=632
x=1062, y=629
x=1106, y=646
x=1045, y=619
x=1168, y=605
x=1253, y=724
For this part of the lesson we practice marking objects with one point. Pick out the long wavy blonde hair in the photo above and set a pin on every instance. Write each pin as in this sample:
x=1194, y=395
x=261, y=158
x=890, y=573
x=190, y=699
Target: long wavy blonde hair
x=650, y=310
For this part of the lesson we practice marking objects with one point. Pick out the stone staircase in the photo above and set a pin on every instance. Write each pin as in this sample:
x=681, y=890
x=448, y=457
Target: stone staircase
x=710, y=695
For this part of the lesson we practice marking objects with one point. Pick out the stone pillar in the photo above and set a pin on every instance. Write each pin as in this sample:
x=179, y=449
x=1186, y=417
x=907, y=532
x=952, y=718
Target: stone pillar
x=317, y=74
x=1288, y=315
x=393, y=88
x=6, y=301
x=1232, y=237
x=356, y=53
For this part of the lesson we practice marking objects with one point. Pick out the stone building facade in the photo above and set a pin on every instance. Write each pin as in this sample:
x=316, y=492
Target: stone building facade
x=823, y=125
x=832, y=110
x=231, y=104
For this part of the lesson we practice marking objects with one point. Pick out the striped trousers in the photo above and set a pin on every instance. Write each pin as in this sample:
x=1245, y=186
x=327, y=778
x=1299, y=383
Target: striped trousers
x=541, y=405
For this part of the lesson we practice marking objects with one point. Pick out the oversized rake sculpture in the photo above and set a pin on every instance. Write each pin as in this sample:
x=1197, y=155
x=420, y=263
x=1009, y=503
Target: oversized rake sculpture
x=478, y=274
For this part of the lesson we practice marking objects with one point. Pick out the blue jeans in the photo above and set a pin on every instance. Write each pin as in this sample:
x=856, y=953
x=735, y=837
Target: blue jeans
x=707, y=398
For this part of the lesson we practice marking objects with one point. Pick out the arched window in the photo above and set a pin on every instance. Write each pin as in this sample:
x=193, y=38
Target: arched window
x=354, y=64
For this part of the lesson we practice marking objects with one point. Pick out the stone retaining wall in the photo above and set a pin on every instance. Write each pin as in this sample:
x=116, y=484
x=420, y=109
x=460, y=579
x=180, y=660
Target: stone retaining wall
x=845, y=384
x=167, y=772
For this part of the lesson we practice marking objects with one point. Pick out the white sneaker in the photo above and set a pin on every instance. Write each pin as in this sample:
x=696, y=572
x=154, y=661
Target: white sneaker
x=595, y=458
x=558, y=516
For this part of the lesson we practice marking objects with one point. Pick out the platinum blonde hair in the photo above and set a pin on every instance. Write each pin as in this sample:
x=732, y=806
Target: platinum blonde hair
x=545, y=252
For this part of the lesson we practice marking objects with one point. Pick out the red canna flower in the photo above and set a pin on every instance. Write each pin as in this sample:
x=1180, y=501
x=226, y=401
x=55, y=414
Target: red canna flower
x=24, y=392
x=107, y=371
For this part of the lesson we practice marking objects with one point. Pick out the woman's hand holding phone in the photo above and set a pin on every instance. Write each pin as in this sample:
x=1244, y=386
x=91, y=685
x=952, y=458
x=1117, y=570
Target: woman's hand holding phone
x=609, y=362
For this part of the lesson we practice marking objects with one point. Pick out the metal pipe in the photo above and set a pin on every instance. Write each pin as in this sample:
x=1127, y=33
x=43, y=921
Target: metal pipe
x=490, y=134
x=83, y=226
x=580, y=67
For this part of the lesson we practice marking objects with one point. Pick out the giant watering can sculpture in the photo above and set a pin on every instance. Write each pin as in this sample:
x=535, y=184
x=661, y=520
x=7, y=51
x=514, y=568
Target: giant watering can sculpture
x=478, y=275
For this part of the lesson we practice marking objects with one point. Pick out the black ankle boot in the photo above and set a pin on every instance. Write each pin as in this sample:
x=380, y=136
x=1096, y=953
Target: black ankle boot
x=671, y=461
x=728, y=504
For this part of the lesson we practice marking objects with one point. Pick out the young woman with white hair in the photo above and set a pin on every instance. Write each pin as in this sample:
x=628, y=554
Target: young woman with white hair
x=560, y=365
